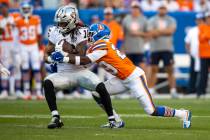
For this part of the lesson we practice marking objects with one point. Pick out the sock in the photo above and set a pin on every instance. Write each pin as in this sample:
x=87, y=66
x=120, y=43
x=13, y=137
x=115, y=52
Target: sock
x=98, y=101
x=164, y=111
x=179, y=113
x=4, y=85
x=105, y=98
x=37, y=76
x=50, y=95
x=111, y=118
x=116, y=116
x=55, y=113
x=173, y=90
x=26, y=82
x=152, y=90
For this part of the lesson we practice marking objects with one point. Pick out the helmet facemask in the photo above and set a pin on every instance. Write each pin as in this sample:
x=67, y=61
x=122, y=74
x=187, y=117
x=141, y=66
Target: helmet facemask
x=66, y=19
x=26, y=10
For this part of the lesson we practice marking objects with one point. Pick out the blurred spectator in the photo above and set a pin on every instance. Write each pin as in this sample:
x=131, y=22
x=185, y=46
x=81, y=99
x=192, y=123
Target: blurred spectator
x=15, y=4
x=95, y=19
x=5, y=1
x=161, y=28
x=201, y=6
x=192, y=46
x=115, y=27
x=185, y=5
x=134, y=26
x=150, y=5
x=171, y=5
x=204, y=53
x=9, y=51
x=37, y=4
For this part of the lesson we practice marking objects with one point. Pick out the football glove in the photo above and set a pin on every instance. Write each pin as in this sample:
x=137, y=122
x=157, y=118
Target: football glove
x=4, y=71
x=57, y=56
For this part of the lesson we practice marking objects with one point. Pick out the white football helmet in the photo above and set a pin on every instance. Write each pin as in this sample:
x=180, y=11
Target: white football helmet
x=26, y=9
x=66, y=18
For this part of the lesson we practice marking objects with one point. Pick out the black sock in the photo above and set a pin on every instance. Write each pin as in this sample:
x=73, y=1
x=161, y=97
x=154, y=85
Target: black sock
x=105, y=98
x=98, y=101
x=50, y=95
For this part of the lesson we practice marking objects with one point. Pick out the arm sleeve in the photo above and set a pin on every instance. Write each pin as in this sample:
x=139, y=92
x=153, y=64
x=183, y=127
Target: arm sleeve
x=96, y=55
x=187, y=38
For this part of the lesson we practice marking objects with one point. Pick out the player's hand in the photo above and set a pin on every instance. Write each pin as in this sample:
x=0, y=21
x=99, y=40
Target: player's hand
x=53, y=67
x=4, y=71
x=59, y=46
x=57, y=57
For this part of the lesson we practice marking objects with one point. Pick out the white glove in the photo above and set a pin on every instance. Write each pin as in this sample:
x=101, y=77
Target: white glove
x=4, y=71
x=59, y=47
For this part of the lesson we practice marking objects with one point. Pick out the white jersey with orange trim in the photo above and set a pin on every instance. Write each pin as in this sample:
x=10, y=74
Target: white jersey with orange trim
x=28, y=29
x=54, y=36
x=7, y=24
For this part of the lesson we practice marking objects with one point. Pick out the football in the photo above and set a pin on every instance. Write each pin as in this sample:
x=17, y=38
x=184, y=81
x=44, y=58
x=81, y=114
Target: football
x=67, y=47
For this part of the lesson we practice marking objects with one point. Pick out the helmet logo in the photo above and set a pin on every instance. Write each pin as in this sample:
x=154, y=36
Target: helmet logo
x=100, y=27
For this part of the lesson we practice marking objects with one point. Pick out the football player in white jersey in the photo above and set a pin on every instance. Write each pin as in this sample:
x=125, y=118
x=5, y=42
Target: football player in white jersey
x=9, y=50
x=69, y=29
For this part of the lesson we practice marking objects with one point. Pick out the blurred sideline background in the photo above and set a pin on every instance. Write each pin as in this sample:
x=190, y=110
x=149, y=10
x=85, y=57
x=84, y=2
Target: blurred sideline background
x=184, y=11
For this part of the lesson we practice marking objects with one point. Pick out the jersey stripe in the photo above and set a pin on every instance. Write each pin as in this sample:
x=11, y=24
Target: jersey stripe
x=104, y=46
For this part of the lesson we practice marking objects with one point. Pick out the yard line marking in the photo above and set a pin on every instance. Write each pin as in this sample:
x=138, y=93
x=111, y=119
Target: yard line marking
x=80, y=116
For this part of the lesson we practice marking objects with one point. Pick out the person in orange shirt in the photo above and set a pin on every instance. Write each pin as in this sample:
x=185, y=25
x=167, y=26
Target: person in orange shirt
x=128, y=77
x=9, y=51
x=117, y=31
x=29, y=32
x=204, y=53
x=185, y=5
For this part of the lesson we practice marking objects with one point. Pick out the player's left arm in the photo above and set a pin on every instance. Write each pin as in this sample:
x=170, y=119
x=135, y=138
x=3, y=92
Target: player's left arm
x=84, y=60
x=169, y=30
x=39, y=32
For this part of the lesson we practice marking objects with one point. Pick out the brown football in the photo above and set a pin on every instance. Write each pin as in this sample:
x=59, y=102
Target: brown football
x=67, y=47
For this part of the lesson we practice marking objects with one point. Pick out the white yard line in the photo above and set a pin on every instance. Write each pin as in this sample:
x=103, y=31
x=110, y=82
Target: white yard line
x=79, y=116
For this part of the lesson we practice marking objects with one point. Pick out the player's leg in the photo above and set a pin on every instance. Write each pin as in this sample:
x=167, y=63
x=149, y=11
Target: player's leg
x=169, y=64
x=90, y=81
x=154, y=70
x=36, y=67
x=139, y=87
x=17, y=72
x=26, y=72
x=52, y=82
x=5, y=58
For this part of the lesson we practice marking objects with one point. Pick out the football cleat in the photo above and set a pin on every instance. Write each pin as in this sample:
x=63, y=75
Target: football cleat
x=187, y=119
x=55, y=123
x=114, y=124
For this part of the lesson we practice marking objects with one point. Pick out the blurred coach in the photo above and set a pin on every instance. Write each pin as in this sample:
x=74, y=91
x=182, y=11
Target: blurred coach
x=134, y=26
x=115, y=27
x=161, y=28
x=192, y=46
x=204, y=53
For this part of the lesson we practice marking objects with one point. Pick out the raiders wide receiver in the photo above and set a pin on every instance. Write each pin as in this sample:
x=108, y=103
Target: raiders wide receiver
x=69, y=30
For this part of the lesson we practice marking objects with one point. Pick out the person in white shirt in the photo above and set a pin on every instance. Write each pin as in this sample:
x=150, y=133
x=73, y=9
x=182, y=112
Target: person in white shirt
x=4, y=71
x=171, y=5
x=201, y=5
x=192, y=47
x=150, y=5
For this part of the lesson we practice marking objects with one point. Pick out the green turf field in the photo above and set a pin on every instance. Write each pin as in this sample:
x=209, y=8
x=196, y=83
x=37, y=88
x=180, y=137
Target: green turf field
x=27, y=120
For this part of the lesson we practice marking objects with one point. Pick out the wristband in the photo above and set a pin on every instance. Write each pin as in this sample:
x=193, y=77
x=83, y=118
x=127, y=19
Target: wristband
x=66, y=59
x=49, y=59
x=77, y=60
x=64, y=53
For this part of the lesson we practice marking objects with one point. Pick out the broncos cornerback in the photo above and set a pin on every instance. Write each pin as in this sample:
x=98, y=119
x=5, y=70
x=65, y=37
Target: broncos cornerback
x=128, y=77
x=68, y=75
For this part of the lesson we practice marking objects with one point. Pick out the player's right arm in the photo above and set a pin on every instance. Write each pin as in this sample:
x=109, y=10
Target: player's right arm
x=48, y=50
